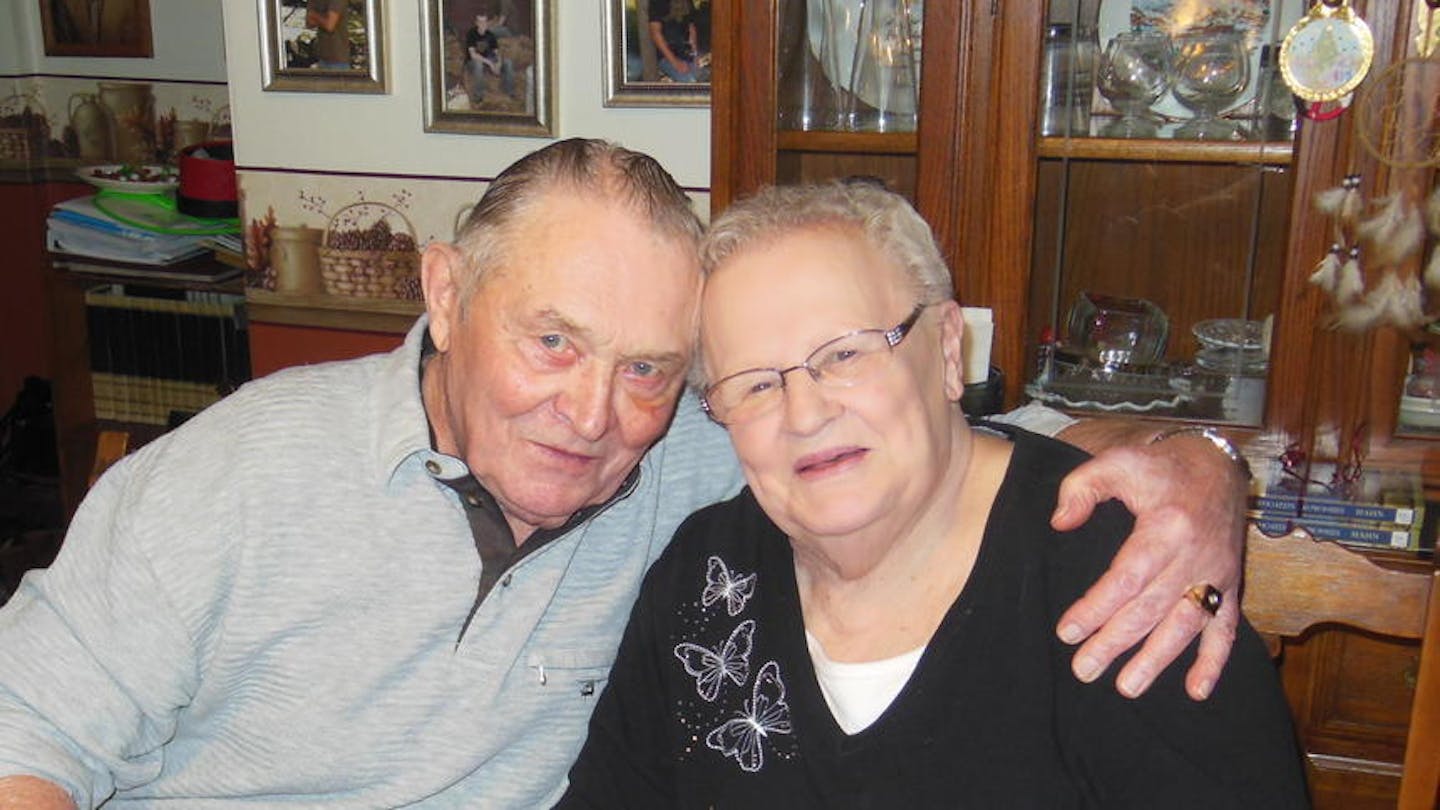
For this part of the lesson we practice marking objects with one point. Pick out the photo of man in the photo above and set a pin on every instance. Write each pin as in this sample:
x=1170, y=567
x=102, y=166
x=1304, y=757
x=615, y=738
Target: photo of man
x=323, y=35
x=489, y=56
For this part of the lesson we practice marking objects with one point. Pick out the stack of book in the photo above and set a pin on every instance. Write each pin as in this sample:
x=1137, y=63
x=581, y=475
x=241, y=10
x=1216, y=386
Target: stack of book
x=81, y=228
x=1382, y=507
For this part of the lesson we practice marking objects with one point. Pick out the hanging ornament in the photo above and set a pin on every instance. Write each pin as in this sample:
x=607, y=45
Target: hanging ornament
x=1327, y=110
x=1351, y=204
x=1432, y=269
x=1344, y=204
x=1327, y=53
x=1397, y=301
x=1395, y=233
x=1358, y=315
x=1327, y=272
x=1330, y=200
x=1351, y=283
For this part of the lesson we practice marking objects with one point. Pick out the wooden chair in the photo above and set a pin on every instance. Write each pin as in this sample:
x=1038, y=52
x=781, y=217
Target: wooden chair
x=1295, y=582
x=110, y=447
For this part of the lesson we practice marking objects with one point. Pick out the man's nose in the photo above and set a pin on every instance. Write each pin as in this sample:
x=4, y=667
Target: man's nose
x=586, y=404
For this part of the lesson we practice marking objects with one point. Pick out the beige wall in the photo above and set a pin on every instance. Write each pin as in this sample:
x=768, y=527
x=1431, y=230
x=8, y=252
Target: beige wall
x=187, y=36
x=355, y=133
x=385, y=133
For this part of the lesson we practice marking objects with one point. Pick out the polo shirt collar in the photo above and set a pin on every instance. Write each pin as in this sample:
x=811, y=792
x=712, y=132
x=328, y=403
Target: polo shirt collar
x=402, y=428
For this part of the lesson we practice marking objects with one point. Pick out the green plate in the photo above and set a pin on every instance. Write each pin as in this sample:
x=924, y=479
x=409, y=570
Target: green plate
x=157, y=212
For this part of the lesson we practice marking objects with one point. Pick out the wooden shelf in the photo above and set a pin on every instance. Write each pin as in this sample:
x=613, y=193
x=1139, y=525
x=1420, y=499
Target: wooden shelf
x=190, y=275
x=1165, y=150
x=42, y=170
x=869, y=143
x=332, y=312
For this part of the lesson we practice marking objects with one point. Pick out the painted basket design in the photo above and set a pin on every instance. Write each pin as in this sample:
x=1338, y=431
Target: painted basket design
x=363, y=254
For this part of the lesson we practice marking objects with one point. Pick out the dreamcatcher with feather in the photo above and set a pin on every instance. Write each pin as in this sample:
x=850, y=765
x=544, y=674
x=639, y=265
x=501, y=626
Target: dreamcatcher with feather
x=1375, y=270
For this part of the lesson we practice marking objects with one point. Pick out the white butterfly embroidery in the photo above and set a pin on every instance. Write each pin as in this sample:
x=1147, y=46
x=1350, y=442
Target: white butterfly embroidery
x=765, y=713
x=711, y=667
x=722, y=583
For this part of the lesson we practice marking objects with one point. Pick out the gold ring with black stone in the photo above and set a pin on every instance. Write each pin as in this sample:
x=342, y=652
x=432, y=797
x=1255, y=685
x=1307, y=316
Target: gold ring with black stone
x=1206, y=597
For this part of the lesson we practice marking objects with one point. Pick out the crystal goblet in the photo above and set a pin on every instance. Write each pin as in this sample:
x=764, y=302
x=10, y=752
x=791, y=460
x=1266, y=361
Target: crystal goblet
x=1212, y=69
x=1135, y=71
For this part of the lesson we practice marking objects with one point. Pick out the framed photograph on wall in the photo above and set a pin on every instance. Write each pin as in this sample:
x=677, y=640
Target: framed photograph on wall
x=96, y=27
x=324, y=46
x=489, y=67
x=657, y=53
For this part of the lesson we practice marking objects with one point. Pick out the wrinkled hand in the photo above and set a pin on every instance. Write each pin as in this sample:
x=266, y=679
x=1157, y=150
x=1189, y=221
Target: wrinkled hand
x=1188, y=502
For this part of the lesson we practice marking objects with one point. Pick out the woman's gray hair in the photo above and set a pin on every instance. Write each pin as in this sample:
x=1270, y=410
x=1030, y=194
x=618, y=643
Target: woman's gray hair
x=885, y=219
x=607, y=171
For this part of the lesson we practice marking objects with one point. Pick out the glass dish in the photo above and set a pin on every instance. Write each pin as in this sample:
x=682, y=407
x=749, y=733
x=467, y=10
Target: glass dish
x=1230, y=333
x=1181, y=390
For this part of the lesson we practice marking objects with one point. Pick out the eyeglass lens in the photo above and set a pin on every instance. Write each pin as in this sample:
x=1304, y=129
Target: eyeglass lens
x=838, y=363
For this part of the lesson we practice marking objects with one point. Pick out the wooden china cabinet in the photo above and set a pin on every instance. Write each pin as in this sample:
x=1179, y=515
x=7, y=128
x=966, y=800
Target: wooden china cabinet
x=1205, y=229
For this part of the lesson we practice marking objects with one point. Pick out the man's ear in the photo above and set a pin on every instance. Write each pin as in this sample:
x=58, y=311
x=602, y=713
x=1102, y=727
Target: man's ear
x=952, y=334
x=441, y=266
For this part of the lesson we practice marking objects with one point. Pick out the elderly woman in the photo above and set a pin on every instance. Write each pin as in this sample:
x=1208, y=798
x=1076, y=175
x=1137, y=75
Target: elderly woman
x=870, y=623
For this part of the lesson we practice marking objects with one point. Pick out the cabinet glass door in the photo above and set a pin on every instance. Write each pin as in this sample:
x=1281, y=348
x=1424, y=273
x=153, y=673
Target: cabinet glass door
x=848, y=65
x=847, y=91
x=1162, y=207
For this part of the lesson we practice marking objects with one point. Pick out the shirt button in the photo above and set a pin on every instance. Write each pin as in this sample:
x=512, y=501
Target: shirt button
x=505, y=581
x=473, y=500
x=433, y=467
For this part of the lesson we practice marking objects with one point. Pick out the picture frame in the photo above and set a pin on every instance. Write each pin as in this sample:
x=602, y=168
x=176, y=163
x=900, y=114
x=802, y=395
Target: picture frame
x=636, y=74
x=110, y=28
x=298, y=54
x=498, y=80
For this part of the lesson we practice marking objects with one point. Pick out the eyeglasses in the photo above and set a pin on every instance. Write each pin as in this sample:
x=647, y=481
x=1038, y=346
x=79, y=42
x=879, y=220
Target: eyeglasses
x=838, y=363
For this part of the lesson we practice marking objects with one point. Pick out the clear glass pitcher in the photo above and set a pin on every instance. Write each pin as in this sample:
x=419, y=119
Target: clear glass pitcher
x=885, y=74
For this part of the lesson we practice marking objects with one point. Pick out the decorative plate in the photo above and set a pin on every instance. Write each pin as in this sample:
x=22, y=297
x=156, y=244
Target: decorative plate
x=1327, y=54
x=1230, y=333
x=131, y=179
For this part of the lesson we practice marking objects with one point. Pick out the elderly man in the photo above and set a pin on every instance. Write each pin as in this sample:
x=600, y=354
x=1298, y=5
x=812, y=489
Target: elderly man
x=281, y=603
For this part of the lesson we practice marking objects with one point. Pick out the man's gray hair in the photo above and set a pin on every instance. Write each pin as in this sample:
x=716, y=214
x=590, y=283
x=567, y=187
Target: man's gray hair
x=611, y=173
x=883, y=218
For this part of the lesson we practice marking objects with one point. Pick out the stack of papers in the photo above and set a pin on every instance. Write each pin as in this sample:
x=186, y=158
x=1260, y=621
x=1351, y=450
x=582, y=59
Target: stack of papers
x=79, y=227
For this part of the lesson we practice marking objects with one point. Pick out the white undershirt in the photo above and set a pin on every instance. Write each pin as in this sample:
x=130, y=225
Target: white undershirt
x=858, y=693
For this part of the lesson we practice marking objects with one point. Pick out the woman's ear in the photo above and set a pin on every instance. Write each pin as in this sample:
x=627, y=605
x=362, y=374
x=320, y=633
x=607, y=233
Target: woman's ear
x=440, y=267
x=952, y=335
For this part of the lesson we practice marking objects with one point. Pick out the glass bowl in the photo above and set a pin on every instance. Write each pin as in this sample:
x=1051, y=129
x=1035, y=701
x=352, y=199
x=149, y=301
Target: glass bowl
x=1117, y=331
